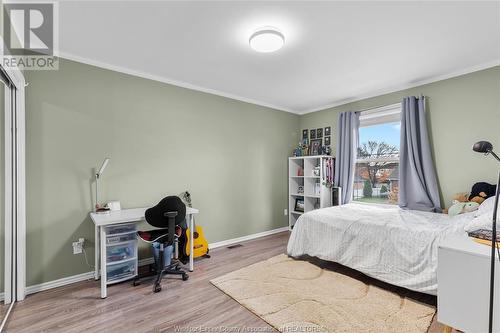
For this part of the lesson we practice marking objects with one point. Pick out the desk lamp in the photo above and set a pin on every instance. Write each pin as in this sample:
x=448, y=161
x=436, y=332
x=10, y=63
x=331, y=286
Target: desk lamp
x=97, y=176
x=486, y=148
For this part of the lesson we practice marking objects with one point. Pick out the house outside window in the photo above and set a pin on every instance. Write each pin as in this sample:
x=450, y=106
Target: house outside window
x=376, y=178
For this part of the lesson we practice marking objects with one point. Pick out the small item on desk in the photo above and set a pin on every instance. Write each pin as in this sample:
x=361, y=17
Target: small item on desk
x=98, y=208
x=114, y=205
x=101, y=209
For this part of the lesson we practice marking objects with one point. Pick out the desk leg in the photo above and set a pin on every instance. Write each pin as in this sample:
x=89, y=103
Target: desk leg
x=191, y=245
x=97, y=245
x=104, y=292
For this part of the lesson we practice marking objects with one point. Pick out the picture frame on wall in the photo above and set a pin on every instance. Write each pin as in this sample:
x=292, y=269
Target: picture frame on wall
x=316, y=147
x=327, y=141
x=299, y=205
x=319, y=133
x=328, y=131
x=305, y=133
x=313, y=134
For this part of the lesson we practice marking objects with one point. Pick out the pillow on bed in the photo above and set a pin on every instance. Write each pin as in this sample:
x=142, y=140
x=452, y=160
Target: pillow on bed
x=483, y=217
x=480, y=222
x=486, y=207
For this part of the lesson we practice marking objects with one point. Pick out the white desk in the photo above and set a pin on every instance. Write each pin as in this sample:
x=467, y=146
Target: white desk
x=464, y=285
x=124, y=216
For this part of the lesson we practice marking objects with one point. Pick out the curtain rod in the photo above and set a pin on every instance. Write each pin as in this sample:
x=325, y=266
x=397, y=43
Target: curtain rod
x=386, y=105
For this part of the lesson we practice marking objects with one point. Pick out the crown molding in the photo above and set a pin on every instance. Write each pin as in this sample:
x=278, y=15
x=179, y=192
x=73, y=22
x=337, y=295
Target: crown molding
x=173, y=82
x=381, y=92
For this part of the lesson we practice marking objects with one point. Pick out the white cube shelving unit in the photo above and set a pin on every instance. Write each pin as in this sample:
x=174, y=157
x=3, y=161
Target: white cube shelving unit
x=316, y=194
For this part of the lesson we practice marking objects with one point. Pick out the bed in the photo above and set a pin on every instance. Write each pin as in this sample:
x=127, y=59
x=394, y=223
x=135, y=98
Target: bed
x=382, y=241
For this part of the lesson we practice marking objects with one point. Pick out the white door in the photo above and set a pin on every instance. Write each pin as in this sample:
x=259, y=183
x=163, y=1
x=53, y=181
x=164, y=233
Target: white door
x=13, y=220
x=2, y=197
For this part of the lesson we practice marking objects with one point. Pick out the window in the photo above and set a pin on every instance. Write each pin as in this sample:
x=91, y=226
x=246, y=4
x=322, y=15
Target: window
x=376, y=178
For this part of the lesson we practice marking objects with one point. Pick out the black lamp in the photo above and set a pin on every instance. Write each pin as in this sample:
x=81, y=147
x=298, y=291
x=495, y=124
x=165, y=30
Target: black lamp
x=486, y=148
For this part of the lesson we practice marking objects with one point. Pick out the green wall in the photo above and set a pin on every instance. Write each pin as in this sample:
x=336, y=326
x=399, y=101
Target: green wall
x=162, y=140
x=231, y=155
x=462, y=110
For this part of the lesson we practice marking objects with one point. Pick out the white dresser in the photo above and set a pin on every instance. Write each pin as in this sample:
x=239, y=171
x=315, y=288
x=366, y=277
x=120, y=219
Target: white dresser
x=464, y=284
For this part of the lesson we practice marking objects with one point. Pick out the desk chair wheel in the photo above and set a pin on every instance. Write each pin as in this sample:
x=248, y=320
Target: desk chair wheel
x=185, y=277
x=157, y=288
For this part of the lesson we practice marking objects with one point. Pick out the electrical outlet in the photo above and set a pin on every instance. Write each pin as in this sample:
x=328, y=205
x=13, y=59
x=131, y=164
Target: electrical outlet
x=78, y=246
x=285, y=212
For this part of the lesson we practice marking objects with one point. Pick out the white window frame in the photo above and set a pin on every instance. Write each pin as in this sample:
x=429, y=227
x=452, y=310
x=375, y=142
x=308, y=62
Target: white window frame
x=377, y=116
x=380, y=115
x=15, y=187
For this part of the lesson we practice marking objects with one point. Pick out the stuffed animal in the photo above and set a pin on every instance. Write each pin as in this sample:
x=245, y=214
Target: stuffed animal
x=460, y=197
x=479, y=198
x=464, y=203
x=457, y=198
x=462, y=207
x=482, y=191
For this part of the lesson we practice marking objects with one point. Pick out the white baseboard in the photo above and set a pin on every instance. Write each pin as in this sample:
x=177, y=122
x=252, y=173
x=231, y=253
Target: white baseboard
x=89, y=275
x=59, y=282
x=211, y=246
x=246, y=238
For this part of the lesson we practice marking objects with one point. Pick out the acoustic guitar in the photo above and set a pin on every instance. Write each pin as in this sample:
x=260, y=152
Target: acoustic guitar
x=200, y=244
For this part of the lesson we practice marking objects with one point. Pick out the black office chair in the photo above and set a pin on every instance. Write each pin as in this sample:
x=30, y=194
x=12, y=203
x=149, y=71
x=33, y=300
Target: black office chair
x=167, y=216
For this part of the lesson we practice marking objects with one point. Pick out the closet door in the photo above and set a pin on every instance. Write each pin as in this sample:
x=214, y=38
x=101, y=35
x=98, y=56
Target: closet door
x=2, y=195
x=13, y=187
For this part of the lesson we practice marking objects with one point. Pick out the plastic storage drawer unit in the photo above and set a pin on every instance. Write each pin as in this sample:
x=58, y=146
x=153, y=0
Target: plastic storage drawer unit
x=115, y=239
x=120, y=233
x=121, y=252
x=122, y=271
x=121, y=229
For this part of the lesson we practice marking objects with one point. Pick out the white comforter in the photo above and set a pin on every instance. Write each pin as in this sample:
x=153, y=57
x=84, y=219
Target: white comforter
x=383, y=241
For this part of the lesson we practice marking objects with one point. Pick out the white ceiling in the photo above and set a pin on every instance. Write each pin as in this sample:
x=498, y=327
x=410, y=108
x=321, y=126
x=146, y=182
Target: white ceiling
x=335, y=52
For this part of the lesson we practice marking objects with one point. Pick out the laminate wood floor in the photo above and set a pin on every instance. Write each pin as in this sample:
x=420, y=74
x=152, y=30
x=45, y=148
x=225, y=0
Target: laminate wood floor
x=191, y=306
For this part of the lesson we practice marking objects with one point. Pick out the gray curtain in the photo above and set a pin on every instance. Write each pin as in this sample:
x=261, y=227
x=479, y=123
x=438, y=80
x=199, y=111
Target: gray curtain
x=418, y=188
x=345, y=158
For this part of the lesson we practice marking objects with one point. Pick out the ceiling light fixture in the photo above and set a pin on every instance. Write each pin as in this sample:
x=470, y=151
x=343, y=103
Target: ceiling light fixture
x=267, y=39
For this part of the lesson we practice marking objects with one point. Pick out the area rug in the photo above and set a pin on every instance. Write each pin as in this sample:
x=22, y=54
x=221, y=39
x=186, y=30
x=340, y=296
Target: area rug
x=297, y=296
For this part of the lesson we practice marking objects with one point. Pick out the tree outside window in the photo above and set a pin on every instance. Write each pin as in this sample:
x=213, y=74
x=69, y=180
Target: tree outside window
x=377, y=166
